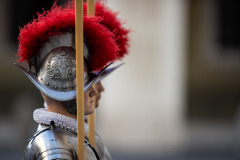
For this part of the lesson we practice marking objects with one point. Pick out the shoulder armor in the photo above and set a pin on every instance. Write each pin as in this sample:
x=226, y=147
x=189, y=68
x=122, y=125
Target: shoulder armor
x=55, y=144
x=101, y=148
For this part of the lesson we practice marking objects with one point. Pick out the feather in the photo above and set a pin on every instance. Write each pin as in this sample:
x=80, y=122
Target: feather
x=115, y=25
x=100, y=41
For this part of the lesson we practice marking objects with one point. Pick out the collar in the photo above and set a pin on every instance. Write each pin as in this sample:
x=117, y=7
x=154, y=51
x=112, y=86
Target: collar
x=42, y=116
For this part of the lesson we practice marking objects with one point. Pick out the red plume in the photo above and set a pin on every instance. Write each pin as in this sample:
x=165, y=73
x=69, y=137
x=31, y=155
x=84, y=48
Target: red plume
x=115, y=25
x=99, y=40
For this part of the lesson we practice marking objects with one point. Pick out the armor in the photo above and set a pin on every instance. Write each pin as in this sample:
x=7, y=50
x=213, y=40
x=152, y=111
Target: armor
x=56, y=77
x=108, y=71
x=56, y=138
x=101, y=149
x=51, y=142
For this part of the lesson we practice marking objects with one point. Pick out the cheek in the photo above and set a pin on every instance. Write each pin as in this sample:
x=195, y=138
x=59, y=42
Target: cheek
x=86, y=99
x=97, y=97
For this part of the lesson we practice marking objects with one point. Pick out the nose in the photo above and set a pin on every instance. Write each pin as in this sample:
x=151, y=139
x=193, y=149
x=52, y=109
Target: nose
x=101, y=88
x=92, y=91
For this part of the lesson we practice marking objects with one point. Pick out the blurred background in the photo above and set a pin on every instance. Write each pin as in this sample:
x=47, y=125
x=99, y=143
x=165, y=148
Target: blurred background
x=176, y=98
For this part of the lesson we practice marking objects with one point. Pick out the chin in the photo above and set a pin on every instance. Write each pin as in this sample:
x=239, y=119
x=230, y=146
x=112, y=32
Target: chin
x=89, y=111
x=96, y=105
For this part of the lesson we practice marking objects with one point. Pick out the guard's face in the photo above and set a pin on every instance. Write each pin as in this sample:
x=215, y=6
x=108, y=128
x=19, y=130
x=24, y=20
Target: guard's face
x=99, y=87
x=89, y=99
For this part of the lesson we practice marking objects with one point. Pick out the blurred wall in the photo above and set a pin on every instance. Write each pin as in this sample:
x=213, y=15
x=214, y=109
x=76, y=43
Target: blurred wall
x=213, y=77
x=18, y=97
x=143, y=106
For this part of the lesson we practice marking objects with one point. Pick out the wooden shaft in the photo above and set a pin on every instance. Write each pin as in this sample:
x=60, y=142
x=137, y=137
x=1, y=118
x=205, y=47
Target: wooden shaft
x=91, y=118
x=91, y=7
x=79, y=78
x=91, y=129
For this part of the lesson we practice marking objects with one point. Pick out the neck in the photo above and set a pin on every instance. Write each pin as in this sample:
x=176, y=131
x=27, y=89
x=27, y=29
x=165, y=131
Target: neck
x=57, y=107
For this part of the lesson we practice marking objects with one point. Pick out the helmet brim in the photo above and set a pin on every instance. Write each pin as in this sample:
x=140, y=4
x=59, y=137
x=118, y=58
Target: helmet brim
x=60, y=95
x=107, y=72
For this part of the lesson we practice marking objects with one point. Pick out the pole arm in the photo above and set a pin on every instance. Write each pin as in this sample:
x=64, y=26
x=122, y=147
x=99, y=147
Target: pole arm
x=91, y=117
x=80, y=78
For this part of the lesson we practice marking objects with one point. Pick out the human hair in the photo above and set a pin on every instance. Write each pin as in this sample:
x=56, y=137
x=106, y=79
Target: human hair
x=70, y=106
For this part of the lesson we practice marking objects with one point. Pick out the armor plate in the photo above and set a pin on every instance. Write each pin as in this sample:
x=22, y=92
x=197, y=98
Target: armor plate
x=101, y=149
x=54, y=144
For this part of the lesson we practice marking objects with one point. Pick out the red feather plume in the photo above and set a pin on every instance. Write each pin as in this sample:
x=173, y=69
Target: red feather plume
x=100, y=41
x=115, y=25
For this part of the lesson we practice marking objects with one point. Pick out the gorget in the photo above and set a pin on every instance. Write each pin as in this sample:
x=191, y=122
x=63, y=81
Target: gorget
x=56, y=141
x=42, y=116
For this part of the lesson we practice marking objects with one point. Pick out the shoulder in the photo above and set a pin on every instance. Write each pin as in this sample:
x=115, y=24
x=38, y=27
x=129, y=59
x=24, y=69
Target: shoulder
x=101, y=148
x=52, y=144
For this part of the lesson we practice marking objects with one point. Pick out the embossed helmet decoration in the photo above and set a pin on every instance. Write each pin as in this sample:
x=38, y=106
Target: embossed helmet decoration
x=48, y=45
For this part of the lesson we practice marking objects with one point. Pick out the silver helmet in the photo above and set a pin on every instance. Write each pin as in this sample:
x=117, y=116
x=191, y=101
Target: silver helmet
x=56, y=76
x=107, y=72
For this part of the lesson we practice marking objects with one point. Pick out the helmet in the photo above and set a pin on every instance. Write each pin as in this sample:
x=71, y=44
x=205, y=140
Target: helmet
x=115, y=25
x=48, y=44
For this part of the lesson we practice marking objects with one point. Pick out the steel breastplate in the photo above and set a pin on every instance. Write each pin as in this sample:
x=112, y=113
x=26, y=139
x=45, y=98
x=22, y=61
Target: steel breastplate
x=55, y=143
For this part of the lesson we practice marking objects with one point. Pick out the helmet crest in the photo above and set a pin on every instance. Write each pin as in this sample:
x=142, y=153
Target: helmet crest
x=114, y=24
x=97, y=37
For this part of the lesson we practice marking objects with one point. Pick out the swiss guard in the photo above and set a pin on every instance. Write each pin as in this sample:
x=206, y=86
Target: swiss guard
x=115, y=25
x=47, y=45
